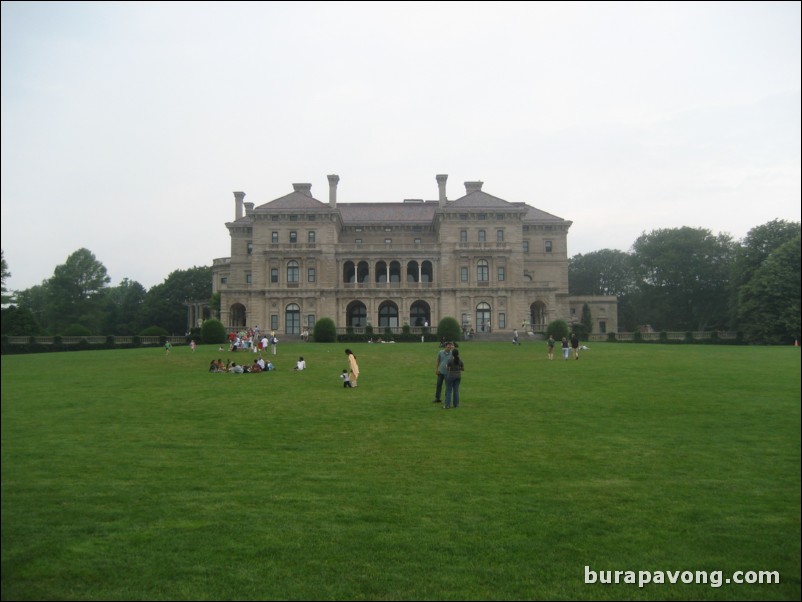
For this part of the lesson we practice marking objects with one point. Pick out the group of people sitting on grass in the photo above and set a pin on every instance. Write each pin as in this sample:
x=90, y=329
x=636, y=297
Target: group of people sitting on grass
x=260, y=365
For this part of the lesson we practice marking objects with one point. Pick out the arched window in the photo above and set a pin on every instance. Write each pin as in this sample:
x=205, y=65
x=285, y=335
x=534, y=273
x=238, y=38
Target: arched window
x=388, y=315
x=236, y=316
x=363, y=272
x=292, y=319
x=419, y=313
x=356, y=314
x=381, y=272
x=293, y=271
x=349, y=272
x=426, y=272
x=483, y=317
x=395, y=271
x=538, y=316
x=412, y=271
x=482, y=271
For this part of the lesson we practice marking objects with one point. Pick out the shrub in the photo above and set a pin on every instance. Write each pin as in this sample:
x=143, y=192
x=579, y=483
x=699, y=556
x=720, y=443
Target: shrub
x=637, y=336
x=77, y=330
x=405, y=329
x=611, y=337
x=558, y=329
x=325, y=331
x=388, y=333
x=369, y=330
x=449, y=329
x=689, y=337
x=663, y=336
x=154, y=331
x=213, y=332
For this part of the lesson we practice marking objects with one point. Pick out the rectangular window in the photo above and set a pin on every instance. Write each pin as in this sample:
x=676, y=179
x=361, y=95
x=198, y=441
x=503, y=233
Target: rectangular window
x=501, y=274
x=526, y=246
x=463, y=274
x=248, y=279
x=274, y=275
x=224, y=280
x=274, y=322
x=499, y=235
x=310, y=237
x=274, y=237
x=310, y=274
x=502, y=320
x=417, y=241
x=463, y=236
x=482, y=236
x=310, y=321
x=358, y=242
x=250, y=247
x=548, y=246
x=293, y=236
x=388, y=241
x=602, y=326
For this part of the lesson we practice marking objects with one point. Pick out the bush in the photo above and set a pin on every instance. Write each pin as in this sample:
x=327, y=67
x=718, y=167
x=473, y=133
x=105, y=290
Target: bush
x=611, y=337
x=388, y=333
x=558, y=329
x=449, y=329
x=663, y=336
x=77, y=330
x=154, y=331
x=689, y=337
x=213, y=332
x=325, y=331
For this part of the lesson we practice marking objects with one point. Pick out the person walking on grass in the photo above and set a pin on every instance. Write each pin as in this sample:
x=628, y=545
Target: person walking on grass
x=455, y=369
x=550, y=345
x=353, y=373
x=441, y=369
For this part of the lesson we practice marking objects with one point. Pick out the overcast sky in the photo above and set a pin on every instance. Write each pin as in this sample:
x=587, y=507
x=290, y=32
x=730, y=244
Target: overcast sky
x=127, y=126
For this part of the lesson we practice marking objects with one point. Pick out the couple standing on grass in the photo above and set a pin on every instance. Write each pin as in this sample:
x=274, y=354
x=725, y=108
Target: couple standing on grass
x=448, y=368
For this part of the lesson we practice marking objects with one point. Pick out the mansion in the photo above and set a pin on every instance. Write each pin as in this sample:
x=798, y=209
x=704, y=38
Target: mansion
x=491, y=264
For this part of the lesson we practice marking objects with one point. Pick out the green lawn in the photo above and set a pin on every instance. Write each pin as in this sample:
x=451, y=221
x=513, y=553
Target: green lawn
x=132, y=475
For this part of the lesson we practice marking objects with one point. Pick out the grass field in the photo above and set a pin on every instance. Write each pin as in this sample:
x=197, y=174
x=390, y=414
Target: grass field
x=132, y=475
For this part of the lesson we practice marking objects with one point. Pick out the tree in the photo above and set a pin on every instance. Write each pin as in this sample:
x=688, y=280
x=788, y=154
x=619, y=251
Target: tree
x=75, y=292
x=769, y=304
x=123, y=308
x=758, y=245
x=36, y=300
x=683, y=278
x=606, y=272
x=5, y=275
x=165, y=303
x=587, y=321
x=19, y=321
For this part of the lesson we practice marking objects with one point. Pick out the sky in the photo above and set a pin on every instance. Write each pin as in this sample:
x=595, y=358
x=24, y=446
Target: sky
x=126, y=127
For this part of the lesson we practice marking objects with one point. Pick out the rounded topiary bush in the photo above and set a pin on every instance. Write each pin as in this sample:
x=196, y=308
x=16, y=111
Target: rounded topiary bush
x=77, y=330
x=558, y=329
x=154, y=331
x=213, y=332
x=449, y=329
x=325, y=331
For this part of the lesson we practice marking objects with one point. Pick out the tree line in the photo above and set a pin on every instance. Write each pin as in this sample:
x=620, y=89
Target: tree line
x=688, y=279
x=677, y=279
x=77, y=300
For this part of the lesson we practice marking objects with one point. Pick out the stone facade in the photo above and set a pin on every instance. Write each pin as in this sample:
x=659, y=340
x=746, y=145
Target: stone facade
x=491, y=264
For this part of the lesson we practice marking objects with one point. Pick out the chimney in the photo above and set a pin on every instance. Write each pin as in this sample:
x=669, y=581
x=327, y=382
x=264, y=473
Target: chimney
x=248, y=208
x=303, y=189
x=238, y=198
x=473, y=187
x=441, y=184
x=333, y=179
